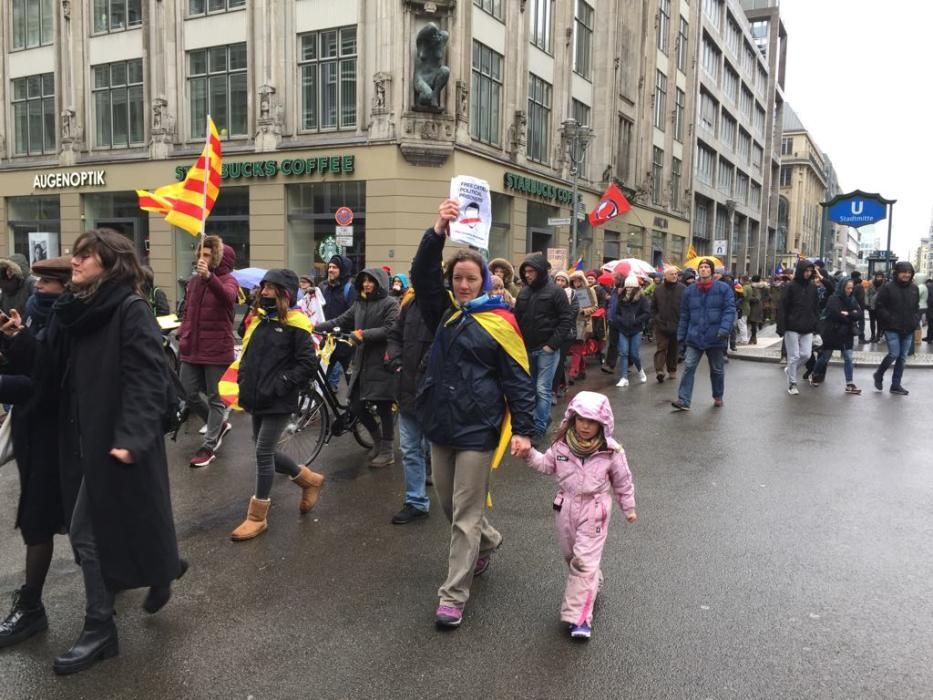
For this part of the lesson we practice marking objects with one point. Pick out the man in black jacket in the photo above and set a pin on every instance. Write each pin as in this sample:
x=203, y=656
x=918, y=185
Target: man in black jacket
x=859, y=294
x=898, y=309
x=409, y=344
x=339, y=295
x=665, y=311
x=797, y=321
x=546, y=321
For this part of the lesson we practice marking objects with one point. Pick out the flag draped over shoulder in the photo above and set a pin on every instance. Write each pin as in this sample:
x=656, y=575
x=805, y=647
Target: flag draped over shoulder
x=228, y=385
x=188, y=203
x=494, y=317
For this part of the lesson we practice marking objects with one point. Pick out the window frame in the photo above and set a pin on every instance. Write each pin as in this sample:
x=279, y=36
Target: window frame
x=663, y=34
x=339, y=60
x=542, y=37
x=583, y=39
x=45, y=101
x=657, y=174
x=683, y=40
x=676, y=179
x=207, y=11
x=45, y=9
x=126, y=86
x=109, y=15
x=680, y=102
x=539, y=117
x=478, y=107
x=207, y=76
x=493, y=8
x=660, y=100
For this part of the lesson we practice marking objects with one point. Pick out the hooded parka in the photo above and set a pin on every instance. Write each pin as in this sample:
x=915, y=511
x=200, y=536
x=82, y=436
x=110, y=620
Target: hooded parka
x=543, y=312
x=206, y=333
x=800, y=306
x=898, y=304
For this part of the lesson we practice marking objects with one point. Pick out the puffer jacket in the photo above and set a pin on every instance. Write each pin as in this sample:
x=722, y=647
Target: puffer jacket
x=629, y=317
x=206, y=333
x=374, y=315
x=898, y=307
x=412, y=334
x=592, y=479
x=800, y=305
x=665, y=306
x=706, y=317
x=542, y=310
x=278, y=361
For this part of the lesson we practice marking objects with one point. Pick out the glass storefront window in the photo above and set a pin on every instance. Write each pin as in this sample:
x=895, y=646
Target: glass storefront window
x=229, y=219
x=540, y=235
x=657, y=248
x=500, y=237
x=312, y=239
x=27, y=215
x=119, y=211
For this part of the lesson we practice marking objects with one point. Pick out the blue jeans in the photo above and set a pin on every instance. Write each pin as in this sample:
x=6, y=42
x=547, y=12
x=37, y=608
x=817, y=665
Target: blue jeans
x=629, y=346
x=543, y=369
x=898, y=346
x=717, y=372
x=823, y=361
x=414, y=446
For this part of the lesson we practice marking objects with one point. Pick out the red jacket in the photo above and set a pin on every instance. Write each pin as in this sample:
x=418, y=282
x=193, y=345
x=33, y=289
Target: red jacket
x=206, y=334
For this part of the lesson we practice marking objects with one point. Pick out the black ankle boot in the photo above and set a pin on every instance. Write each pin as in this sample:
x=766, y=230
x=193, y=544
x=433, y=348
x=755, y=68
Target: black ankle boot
x=98, y=641
x=158, y=596
x=26, y=618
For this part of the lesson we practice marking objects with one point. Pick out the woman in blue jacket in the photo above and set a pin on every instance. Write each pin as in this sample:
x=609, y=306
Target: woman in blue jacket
x=477, y=396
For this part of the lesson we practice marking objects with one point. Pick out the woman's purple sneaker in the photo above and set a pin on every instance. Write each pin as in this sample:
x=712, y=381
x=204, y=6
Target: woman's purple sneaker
x=448, y=616
x=583, y=631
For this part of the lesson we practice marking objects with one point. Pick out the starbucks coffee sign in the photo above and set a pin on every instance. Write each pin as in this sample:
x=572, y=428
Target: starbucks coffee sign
x=61, y=180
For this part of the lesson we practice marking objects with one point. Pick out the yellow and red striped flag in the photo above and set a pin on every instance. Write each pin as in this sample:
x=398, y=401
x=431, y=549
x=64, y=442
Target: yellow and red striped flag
x=188, y=203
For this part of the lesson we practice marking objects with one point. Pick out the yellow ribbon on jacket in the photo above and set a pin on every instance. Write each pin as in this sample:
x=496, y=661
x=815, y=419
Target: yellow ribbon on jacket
x=502, y=326
x=228, y=385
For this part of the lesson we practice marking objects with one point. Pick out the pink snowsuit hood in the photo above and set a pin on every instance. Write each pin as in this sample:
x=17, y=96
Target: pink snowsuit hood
x=593, y=406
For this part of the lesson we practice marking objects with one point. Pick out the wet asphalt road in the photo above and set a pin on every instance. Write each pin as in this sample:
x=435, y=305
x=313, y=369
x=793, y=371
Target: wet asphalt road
x=782, y=550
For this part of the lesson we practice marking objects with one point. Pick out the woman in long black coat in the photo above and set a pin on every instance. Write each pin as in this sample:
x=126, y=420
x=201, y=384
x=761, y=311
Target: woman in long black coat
x=114, y=476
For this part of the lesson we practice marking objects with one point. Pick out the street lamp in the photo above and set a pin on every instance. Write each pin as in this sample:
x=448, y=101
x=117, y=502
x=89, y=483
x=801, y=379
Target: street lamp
x=577, y=136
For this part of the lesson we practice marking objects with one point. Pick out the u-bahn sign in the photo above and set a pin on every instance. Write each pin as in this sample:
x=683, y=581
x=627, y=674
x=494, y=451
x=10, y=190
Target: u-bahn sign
x=857, y=208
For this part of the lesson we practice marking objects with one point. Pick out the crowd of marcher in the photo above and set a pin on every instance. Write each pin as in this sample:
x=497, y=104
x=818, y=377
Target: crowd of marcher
x=471, y=357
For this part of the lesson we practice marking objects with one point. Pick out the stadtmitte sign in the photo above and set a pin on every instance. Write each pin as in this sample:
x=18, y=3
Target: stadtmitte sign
x=80, y=178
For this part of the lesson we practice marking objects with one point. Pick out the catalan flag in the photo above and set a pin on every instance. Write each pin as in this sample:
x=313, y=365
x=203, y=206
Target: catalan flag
x=691, y=253
x=578, y=265
x=188, y=203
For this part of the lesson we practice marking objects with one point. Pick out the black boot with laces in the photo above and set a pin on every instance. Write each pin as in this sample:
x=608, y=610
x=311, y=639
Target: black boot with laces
x=26, y=618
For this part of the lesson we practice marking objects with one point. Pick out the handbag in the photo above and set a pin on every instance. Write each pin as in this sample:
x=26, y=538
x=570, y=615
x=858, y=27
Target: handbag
x=6, y=439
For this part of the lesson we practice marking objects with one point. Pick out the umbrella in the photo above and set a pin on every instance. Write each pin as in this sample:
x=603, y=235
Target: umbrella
x=249, y=277
x=627, y=266
x=693, y=262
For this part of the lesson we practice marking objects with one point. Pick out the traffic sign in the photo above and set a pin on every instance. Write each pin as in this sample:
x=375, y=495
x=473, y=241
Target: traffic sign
x=344, y=236
x=720, y=247
x=558, y=221
x=343, y=216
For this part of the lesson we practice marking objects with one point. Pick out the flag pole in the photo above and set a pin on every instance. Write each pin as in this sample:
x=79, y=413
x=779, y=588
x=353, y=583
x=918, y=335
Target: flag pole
x=207, y=174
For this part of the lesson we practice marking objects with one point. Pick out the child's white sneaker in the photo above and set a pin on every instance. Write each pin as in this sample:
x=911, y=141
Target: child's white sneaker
x=622, y=382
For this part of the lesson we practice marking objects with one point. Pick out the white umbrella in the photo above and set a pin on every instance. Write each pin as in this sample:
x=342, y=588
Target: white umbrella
x=636, y=266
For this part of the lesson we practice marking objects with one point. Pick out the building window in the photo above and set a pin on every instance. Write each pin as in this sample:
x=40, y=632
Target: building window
x=539, y=118
x=34, y=114
x=709, y=109
x=762, y=81
x=32, y=214
x=786, y=176
x=491, y=7
x=741, y=187
x=327, y=69
x=706, y=160
x=624, y=157
x=787, y=146
x=712, y=58
x=31, y=23
x=760, y=119
x=701, y=227
x=680, y=99
x=745, y=104
x=311, y=240
x=583, y=40
x=664, y=25
x=733, y=36
x=487, y=94
x=217, y=86
x=683, y=35
x=119, y=112
x=724, y=181
x=713, y=10
x=728, y=133
x=745, y=145
x=676, y=174
x=202, y=7
x=758, y=154
x=117, y=15
x=541, y=14
x=660, y=100
x=730, y=83
x=581, y=113
x=755, y=196
x=748, y=60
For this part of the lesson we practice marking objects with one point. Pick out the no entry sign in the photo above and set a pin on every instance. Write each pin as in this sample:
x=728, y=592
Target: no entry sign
x=344, y=216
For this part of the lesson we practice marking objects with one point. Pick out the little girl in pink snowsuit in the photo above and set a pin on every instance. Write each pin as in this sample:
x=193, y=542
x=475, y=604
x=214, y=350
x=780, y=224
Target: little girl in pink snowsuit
x=590, y=467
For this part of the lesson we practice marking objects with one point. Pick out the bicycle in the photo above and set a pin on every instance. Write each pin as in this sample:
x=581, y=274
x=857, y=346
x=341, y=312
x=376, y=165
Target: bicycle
x=320, y=417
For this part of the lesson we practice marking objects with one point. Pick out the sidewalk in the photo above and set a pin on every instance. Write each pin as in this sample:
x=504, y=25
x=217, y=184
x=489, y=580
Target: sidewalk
x=768, y=349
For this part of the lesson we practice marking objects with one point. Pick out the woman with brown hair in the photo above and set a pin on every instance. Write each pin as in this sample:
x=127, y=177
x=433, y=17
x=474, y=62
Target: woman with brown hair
x=107, y=357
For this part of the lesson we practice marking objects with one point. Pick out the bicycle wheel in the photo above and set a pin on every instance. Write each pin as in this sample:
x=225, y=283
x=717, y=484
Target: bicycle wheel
x=307, y=430
x=362, y=436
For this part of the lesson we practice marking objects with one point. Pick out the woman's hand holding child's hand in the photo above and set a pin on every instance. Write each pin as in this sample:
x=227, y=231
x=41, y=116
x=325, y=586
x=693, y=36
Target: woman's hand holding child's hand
x=521, y=446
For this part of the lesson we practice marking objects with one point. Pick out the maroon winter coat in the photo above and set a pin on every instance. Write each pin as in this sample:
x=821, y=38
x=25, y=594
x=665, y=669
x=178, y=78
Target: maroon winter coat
x=206, y=334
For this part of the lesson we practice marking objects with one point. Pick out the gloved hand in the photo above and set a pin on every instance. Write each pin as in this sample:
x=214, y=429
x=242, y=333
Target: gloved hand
x=722, y=335
x=356, y=337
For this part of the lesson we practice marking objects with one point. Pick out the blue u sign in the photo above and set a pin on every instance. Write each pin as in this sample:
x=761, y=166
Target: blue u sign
x=858, y=211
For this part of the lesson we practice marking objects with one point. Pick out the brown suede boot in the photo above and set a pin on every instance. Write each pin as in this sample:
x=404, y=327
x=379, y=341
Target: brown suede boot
x=310, y=483
x=255, y=523
x=385, y=456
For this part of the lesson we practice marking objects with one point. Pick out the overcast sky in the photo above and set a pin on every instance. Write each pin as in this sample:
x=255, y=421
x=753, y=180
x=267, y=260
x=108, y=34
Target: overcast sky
x=860, y=77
